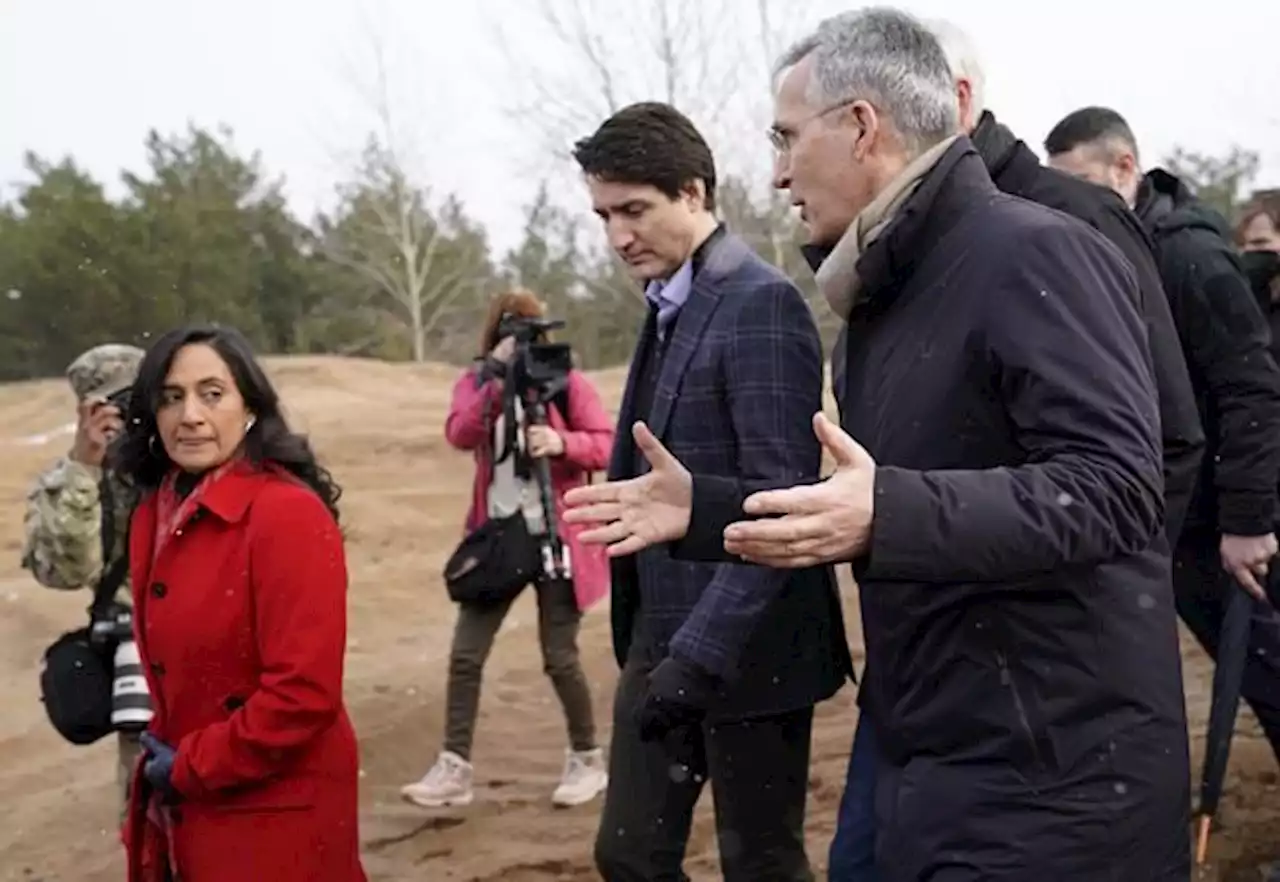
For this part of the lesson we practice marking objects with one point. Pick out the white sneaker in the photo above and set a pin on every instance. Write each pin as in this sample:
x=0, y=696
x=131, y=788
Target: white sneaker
x=448, y=783
x=583, y=780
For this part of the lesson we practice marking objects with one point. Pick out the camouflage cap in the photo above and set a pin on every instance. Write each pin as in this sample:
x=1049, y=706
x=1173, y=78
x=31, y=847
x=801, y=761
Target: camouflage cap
x=104, y=370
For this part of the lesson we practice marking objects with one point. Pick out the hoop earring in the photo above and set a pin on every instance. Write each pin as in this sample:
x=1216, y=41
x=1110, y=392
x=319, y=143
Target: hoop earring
x=151, y=444
x=249, y=424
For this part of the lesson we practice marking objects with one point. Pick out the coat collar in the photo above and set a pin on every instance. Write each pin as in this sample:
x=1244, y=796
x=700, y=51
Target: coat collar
x=960, y=170
x=957, y=184
x=230, y=496
x=998, y=146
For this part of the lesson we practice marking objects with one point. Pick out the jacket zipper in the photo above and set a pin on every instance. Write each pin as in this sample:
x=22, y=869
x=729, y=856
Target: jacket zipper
x=1024, y=721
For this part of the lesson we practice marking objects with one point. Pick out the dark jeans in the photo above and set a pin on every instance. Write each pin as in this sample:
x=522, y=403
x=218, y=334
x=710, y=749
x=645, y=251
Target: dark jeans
x=853, y=850
x=558, y=621
x=759, y=771
x=1201, y=588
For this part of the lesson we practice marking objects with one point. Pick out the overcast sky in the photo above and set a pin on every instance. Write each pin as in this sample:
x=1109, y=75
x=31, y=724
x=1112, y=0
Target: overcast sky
x=89, y=77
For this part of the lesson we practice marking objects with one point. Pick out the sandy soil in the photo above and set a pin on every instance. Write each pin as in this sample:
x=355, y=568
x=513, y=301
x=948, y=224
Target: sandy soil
x=379, y=428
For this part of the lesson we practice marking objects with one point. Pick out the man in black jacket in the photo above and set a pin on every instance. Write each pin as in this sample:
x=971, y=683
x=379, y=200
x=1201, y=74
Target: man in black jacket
x=1004, y=516
x=1229, y=533
x=1016, y=170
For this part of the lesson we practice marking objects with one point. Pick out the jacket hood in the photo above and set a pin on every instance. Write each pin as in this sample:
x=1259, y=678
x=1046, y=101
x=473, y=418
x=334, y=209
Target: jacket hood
x=1167, y=205
x=996, y=144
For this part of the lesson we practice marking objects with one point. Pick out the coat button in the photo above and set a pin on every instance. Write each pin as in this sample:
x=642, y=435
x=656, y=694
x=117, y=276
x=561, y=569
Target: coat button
x=157, y=668
x=159, y=589
x=233, y=704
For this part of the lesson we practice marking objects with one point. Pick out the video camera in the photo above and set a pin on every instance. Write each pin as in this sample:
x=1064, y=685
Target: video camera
x=539, y=370
x=537, y=375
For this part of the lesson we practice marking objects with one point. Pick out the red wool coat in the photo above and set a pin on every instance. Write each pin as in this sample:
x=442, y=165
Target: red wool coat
x=587, y=430
x=241, y=625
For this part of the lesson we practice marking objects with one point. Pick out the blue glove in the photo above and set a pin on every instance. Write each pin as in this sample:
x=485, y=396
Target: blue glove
x=157, y=765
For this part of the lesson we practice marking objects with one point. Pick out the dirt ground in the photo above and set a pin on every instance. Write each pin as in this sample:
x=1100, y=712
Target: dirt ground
x=378, y=427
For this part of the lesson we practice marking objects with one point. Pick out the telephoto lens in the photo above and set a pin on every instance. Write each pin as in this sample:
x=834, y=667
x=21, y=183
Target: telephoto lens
x=130, y=700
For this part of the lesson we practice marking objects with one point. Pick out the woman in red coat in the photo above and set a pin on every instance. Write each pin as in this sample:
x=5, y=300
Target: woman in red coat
x=239, y=585
x=576, y=441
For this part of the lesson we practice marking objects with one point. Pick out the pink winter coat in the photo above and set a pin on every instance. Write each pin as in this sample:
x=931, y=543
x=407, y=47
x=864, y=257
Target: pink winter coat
x=587, y=431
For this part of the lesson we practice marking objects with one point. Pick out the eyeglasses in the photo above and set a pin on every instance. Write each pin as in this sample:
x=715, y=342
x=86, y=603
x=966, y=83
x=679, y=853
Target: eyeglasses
x=782, y=138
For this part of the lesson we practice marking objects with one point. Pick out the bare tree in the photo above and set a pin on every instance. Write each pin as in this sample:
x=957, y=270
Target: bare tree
x=572, y=63
x=419, y=254
x=1221, y=181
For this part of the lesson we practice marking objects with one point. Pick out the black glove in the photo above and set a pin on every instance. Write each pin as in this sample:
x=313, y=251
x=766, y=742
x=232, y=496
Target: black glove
x=678, y=696
x=157, y=765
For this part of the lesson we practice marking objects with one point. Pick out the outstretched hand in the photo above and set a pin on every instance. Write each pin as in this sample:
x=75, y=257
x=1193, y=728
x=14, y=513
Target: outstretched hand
x=814, y=523
x=629, y=516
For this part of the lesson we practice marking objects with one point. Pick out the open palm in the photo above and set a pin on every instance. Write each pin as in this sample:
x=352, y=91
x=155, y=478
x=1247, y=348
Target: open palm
x=631, y=515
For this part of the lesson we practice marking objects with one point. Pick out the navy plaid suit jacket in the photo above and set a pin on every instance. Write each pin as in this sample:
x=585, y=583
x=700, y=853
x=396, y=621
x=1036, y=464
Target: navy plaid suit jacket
x=740, y=382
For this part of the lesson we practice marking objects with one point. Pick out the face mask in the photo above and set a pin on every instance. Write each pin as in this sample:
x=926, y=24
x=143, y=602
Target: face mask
x=1261, y=267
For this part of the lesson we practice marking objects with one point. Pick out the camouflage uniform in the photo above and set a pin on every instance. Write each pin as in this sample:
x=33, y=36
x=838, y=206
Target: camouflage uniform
x=63, y=520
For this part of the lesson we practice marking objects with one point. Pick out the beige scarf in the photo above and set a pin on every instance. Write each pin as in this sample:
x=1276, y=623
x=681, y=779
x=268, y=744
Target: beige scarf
x=837, y=277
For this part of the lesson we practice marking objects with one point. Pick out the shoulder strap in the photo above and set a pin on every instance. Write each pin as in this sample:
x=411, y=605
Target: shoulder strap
x=105, y=591
x=113, y=576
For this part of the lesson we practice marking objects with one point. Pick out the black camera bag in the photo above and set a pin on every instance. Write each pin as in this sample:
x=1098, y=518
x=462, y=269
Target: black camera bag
x=494, y=563
x=77, y=670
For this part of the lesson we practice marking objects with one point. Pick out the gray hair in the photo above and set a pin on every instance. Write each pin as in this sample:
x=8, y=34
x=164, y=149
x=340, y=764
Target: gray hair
x=962, y=56
x=888, y=58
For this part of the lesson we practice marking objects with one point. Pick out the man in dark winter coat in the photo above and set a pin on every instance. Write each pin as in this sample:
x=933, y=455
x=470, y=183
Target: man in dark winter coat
x=1229, y=534
x=1017, y=171
x=1002, y=504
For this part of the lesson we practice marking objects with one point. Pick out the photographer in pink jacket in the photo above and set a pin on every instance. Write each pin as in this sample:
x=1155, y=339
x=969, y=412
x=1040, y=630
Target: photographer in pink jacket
x=536, y=428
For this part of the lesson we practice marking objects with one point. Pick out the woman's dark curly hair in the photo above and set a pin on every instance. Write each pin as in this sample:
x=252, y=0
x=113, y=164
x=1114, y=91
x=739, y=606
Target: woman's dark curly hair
x=140, y=459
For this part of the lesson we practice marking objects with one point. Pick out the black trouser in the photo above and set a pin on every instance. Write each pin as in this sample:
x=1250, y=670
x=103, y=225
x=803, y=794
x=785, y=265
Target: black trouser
x=759, y=771
x=1201, y=588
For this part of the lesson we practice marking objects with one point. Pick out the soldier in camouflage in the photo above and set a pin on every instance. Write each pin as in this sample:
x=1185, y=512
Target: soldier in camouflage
x=64, y=517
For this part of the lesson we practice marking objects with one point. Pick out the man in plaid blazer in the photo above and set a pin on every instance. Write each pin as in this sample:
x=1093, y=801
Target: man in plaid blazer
x=721, y=663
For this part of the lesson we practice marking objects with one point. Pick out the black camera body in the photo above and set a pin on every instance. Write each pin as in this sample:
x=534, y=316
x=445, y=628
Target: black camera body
x=539, y=370
x=526, y=329
x=119, y=400
x=538, y=375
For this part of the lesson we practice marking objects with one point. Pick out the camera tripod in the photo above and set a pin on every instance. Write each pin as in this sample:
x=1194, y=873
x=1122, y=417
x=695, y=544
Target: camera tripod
x=556, y=560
